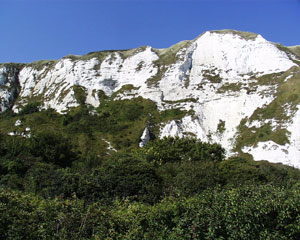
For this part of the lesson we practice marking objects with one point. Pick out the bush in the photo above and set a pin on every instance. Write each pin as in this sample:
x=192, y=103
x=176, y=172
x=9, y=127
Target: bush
x=248, y=212
x=169, y=149
x=30, y=108
x=124, y=176
x=239, y=171
x=52, y=148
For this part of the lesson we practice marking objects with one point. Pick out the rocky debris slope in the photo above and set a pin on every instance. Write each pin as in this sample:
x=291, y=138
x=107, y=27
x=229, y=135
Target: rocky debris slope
x=237, y=88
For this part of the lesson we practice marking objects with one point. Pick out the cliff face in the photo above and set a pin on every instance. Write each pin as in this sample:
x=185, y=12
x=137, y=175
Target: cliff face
x=9, y=86
x=239, y=90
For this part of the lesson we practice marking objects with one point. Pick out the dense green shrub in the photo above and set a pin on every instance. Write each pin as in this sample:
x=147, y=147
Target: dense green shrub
x=120, y=177
x=72, y=186
x=52, y=148
x=176, y=149
x=30, y=108
x=251, y=212
x=40, y=179
x=239, y=171
x=126, y=177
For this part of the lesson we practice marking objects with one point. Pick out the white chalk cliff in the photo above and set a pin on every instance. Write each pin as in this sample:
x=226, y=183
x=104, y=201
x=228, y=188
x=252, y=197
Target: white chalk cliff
x=226, y=80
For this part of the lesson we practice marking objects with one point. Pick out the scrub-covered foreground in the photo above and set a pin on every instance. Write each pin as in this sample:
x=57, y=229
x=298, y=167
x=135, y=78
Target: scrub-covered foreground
x=67, y=182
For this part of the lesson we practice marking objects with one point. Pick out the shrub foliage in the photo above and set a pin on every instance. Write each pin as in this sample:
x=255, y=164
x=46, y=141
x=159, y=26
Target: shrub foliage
x=64, y=182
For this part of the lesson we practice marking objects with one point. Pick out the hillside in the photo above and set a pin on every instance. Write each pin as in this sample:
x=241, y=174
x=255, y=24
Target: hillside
x=230, y=87
x=153, y=143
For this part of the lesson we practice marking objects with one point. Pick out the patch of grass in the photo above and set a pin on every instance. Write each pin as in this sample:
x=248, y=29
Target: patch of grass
x=119, y=121
x=17, y=66
x=272, y=111
x=124, y=120
x=80, y=94
x=130, y=52
x=287, y=95
x=154, y=80
x=271, y=79
x=37, y=121
x=39, y=65
x=221, y=126
x=230, y=87
x=63, y=94
x=98, y=55
x=172, y=114
x=20, y=102
x=187, y=81
x=125, y=88
x=194, y=100
x=290, y=51
x=245, y=35
x=102, y=96
x=102, y=55
x=295, y=50
x=140, y=66
x=211, y=76
x=251, y=136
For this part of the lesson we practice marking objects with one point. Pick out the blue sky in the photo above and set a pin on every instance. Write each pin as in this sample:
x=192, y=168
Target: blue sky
x=31, y=30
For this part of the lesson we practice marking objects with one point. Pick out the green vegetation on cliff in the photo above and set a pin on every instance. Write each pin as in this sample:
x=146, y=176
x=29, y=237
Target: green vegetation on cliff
x=60, y=179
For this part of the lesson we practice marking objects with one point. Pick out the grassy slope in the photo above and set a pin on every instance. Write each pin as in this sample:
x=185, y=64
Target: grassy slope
x=119, y=121
x=286, y=96
x=295, y=50
x=245, y=35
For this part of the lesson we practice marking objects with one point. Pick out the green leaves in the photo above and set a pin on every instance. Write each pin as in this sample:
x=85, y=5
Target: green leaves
x=30, y=108
x=124, y=176
x=249, y=212
x=173, y=188
x=52, y=148
x=177, y=149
